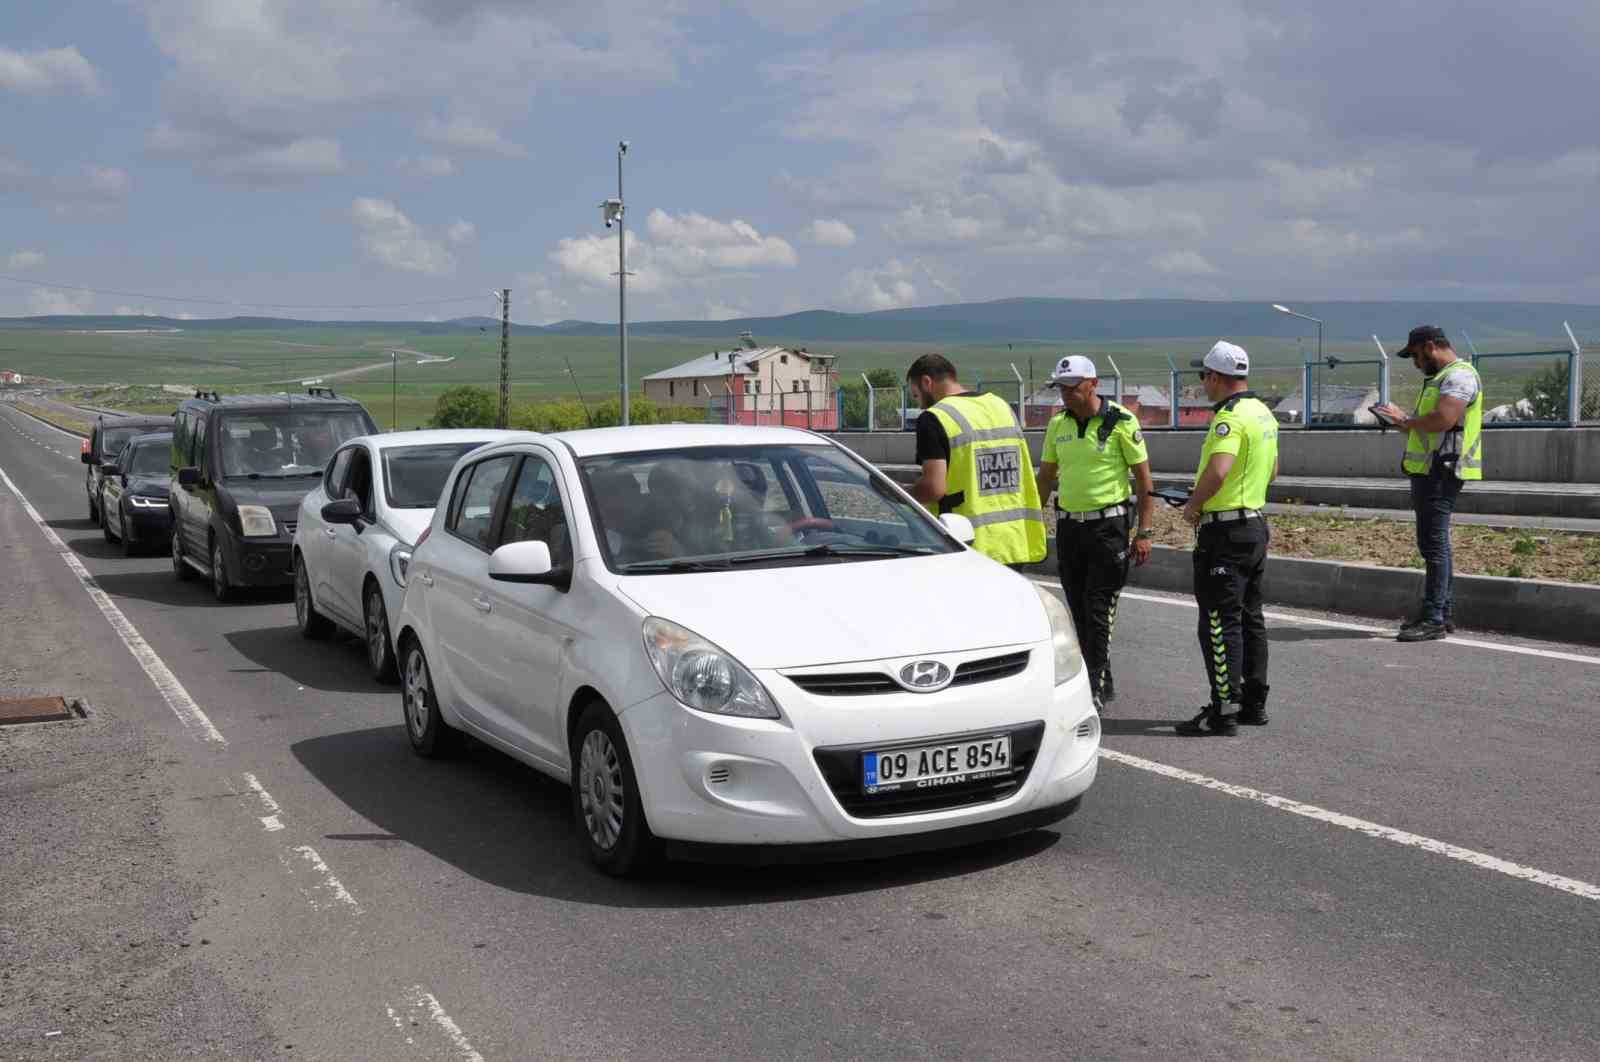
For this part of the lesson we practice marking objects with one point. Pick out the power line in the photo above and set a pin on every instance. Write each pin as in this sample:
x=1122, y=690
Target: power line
x=202, y=300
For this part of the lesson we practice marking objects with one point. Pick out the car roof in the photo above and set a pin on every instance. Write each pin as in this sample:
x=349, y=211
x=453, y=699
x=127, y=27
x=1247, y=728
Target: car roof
x=149, y=436
x=134, y=420
x=436, y=437
x=282, y=400
x=592, y=442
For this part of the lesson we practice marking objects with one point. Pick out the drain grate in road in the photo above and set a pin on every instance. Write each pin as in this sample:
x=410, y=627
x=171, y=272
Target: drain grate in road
x=39, y=710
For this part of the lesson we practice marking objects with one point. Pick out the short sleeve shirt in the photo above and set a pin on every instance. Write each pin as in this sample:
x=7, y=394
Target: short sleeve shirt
x=932, y=442
x=1249, y=432
x=1093, y=472
x=1462, y=385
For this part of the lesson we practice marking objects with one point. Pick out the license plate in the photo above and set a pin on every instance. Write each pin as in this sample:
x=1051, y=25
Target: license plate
x=932, y=766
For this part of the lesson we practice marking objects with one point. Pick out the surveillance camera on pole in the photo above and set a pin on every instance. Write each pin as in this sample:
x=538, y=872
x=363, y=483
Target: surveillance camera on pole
x=611, y=212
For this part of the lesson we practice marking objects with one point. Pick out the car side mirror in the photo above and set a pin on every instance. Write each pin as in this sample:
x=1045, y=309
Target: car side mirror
x=188, y=477
x=960, y=527
x=109, y=468
x=527, y=562
x=342, y=511
x=86, y=457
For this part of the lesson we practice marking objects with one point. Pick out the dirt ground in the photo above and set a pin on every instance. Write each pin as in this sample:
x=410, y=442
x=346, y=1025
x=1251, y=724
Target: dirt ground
x=1522, y=554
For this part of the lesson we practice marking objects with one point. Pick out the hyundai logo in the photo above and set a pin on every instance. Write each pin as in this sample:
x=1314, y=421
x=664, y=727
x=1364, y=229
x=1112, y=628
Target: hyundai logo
x=925, y=676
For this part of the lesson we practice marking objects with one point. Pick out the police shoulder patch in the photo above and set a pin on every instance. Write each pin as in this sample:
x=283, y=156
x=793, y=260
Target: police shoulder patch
x=1138, y=436
x=1222, y=428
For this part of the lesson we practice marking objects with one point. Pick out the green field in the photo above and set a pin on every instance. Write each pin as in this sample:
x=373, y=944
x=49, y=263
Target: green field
x=271, y=361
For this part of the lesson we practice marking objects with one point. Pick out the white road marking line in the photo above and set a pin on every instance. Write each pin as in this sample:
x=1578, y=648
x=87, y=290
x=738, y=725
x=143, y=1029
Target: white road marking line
x=329, y=882
x=420, y=998
x=166, y=683
x=271, y=823
x=1381, y=634
x=1372, y=829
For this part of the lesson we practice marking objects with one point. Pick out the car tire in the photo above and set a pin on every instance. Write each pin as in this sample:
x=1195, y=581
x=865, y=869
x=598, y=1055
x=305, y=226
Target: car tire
x=180, y=567
x=375, y=625
x=313, y=624
x=430, y=736
x=605, y=795
x=94, y=511
x=129, y=547
x=105, y=521
x=221, y=589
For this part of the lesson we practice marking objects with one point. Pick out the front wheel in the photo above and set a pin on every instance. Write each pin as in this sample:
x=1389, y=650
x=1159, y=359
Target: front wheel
x=180, y=567
x=105, y=520
x=221, y=589
x=605, y=795
x=129, y=546
x=380, y=649
x=431, y=737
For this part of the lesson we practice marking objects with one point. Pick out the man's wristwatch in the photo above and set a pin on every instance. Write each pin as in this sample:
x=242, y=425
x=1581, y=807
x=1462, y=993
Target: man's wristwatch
x=1145, y=532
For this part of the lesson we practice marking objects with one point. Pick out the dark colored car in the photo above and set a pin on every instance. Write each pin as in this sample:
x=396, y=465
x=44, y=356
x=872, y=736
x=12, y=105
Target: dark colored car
x=134, y=506
x=103, y=445
x=240, y=465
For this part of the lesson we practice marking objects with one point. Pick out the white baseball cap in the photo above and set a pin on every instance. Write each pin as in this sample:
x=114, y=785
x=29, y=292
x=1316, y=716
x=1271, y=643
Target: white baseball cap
x=1073, y=368
x=1227, y=358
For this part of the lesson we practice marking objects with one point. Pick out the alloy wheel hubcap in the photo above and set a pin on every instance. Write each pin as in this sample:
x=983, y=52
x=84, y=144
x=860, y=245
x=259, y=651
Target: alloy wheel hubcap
x=417, y=694
x=219, y=577
x=377, y=633
x=600, y=788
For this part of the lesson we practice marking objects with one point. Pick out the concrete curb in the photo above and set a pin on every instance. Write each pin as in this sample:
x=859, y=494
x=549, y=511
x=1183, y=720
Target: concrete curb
x=1532, y=608
x=1477, y=498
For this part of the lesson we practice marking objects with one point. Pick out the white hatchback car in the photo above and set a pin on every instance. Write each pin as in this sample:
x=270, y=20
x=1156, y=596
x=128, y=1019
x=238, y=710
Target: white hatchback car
x=704, y=630
x=355, y=532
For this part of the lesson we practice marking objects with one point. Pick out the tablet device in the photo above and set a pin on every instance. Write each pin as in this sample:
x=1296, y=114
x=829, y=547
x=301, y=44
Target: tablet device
x=1173, y=496
x=1383, y=418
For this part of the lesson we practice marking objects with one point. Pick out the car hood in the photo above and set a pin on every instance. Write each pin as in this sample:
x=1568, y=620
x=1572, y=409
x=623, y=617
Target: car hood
x=835, y=613
x=149, y=486
x=282, y=497
x=408, y=524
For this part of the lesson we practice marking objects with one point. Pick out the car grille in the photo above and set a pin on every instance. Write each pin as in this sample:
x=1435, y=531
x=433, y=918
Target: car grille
x=864, y=683
x=841, y=768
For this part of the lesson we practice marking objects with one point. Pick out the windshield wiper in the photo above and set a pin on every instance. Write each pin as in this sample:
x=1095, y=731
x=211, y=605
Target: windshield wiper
x=650, y=567
x=828, y=549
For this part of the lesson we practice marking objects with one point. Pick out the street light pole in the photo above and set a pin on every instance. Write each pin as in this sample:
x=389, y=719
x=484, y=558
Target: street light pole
x=611, y=211
x=1305, y=373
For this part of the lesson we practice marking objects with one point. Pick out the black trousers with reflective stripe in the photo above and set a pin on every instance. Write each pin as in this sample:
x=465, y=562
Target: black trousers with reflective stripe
x=1092, y=559
x=1229, y=561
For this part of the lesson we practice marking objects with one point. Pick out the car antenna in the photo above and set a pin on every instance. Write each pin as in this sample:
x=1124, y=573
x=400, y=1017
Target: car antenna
x=581, y=400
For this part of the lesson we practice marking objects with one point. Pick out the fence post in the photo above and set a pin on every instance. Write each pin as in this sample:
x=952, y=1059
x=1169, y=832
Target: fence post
x=1172, y=398
x=1574, y=378
x=1022, y=397
x=1116, y=392
x=1383, y=372
x=872, y=404
x=1305, y=394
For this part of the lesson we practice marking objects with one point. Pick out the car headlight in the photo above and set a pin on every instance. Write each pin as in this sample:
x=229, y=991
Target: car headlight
x=1063, y=635
x=701, y=675
x=400, y=562
x=255, y=521
x=139, y=501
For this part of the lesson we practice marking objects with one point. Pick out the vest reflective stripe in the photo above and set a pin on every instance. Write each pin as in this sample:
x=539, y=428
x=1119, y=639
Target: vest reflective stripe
x=991, y=472
x=1465, y=439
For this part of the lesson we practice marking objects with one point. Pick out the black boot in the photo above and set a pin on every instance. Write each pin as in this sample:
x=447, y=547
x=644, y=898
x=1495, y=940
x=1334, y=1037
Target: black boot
x=1211, y=722
x=1108, y=687
x=1253, y=709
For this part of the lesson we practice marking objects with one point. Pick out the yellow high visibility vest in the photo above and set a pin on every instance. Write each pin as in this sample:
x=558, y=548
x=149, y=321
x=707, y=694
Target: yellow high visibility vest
x=1465, y=440
x=990, y=479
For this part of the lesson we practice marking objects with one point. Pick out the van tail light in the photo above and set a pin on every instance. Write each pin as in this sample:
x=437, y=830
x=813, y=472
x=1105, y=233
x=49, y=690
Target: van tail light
x=83, y=446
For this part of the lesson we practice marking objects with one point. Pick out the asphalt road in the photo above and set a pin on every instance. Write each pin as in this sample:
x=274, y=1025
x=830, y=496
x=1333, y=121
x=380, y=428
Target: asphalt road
x=307, y=882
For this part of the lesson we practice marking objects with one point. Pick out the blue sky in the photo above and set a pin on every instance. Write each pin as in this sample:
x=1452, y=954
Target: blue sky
x=307, y=157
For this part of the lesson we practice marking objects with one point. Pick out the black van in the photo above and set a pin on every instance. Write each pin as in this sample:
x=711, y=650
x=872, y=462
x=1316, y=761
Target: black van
x=105, y=443
x=240, y=466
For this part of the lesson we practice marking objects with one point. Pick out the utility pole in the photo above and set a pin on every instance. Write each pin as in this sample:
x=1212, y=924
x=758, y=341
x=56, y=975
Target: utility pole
x=504, y=296
x=611, y=211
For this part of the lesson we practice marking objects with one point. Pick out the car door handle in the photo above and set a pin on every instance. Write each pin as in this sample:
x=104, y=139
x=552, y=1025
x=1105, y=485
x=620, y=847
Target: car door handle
x=330, y=532
x=481, y=603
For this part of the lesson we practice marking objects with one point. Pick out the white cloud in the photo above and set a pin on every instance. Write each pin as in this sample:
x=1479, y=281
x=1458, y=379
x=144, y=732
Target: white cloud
x=592, y=260
x=886, y=288
x=48, y=301
x=428, y=166
x=686, y=248
x=828, y=232
x=466, y=134
x=547, y=306
x=20, y=260
x=461, y=232
x=394, y=240
x=108, y=181
x=1183, y=263
x=936, y=225
x=47, y=71
x=307, y=157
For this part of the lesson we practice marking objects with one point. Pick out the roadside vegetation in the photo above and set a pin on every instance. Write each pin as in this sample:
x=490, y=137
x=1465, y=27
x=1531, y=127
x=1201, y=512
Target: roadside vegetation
x=77, y=425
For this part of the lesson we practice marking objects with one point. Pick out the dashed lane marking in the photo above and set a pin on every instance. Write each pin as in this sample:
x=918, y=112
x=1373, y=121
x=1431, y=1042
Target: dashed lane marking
x=1483, y=860
x=1380, y=634
x=166, y=683
x=331, y=884
x=419, y=999
x=271, y=822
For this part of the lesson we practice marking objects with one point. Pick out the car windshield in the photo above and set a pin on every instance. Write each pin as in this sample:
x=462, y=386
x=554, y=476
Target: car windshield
x=413, y=476
x=284, y=443
x=750, y=506
x=112, y=440
x=151, y=459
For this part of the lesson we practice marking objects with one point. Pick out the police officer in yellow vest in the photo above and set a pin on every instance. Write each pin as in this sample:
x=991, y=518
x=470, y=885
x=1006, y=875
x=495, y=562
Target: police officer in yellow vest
x=1091, y=448
x=1444, y=449
x=975, y=462
x=1237, y=462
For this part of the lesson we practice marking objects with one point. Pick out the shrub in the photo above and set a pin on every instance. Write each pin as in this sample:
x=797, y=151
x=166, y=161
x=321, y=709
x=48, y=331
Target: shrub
x=466, y=407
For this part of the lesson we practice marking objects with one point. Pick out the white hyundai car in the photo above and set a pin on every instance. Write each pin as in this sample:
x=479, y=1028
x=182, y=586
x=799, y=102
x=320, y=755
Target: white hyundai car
x=356, y=529
x=704, y=630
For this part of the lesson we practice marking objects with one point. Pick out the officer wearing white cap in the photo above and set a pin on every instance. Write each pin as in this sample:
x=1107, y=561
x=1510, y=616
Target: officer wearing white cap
x=1237, y=462
x=1090, y=449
